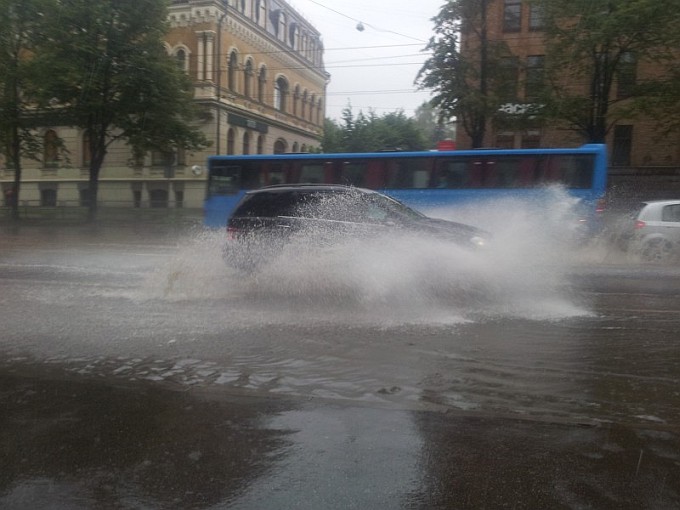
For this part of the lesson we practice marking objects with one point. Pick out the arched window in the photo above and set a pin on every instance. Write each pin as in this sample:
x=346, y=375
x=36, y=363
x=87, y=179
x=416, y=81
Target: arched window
x=50, y=149
x=246, y=143
x=248, y=78
x=232, y=68
x=293, y=36
x=296, y=99
x=296, y=147
x=319, y=112
x=261, y=83
x=280, y=146
x=283, y=22
x=231, y=140
x=260, y=144
x=304, y=104
x=312, y=104
x=280, y=93
x=182, y=59
x=261, y=13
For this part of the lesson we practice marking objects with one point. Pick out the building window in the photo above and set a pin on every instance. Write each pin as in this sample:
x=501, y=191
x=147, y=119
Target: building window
x=261, y=13
x=231, y=139
x=319, y=112
x=48, y=197
x=179, y=198
x=512, y=16
x=312, y=104
x=246, y=143
x=279, y=146
x=534, y=78
x=248, y=78
x=86, y=152
x=281, y=30
x=232, y=68
x=84, y=196
x=182, y=60
x=623, y=142
x=293, y=36
x=158, y=198
x=296, y=147
x=296, y=100
x=505, y=140
x=508, y=76
x=280, y=94
x=261, y=83
x=51, y=149
x=303, y=112
x=536, y=20
x=626, y=75
x=260, y=144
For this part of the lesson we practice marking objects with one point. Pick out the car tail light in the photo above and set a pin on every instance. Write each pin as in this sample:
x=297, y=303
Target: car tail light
x=232, y=232
x=639, y=224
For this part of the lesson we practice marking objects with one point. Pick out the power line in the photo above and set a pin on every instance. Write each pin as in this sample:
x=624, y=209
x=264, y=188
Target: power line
x=361, y=24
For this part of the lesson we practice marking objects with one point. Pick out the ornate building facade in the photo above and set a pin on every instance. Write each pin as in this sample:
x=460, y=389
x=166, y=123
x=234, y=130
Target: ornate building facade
x=258, y=72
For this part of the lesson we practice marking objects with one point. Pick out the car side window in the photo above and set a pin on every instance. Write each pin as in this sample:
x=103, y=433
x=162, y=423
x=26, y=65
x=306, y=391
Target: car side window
x=671, y=213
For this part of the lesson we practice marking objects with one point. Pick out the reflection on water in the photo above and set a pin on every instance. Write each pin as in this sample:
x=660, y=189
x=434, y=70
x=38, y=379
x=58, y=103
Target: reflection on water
x=90, y=445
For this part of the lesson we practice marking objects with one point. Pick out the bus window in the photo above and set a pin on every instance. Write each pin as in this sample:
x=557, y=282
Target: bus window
x=503, y=174
x=376, y=174
x=353, y=173
x=451, y=174
x=578, y=172
x=224, y=180
x=312, y=173
x=409, y=173
x=277, y=174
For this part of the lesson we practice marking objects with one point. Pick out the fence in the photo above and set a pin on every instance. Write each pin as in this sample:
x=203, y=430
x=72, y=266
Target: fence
x=115, y=211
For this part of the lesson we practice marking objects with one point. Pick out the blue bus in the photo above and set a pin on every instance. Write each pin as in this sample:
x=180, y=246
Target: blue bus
x=423, y=180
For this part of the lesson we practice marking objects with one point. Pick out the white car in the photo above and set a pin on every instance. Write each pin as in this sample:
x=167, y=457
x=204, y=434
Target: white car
x=655, y=235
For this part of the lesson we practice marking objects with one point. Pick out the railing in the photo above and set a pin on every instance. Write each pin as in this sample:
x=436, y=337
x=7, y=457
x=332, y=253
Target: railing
x=106, y=210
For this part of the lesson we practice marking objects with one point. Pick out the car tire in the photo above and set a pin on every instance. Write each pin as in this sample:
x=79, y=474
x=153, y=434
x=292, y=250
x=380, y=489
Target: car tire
x=656, y=251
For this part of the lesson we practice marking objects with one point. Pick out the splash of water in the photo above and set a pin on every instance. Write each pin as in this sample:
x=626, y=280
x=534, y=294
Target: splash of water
x=397, y=277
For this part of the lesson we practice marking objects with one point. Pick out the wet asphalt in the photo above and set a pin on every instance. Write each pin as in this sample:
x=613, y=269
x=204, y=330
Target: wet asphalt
x=130, y=379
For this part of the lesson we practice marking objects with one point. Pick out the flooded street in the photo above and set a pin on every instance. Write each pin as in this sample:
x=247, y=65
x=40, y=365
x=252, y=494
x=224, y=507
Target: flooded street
x=138, y=371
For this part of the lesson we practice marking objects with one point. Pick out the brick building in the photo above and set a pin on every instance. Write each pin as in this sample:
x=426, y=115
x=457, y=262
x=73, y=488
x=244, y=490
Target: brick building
x=257, y=66
x=642, y=163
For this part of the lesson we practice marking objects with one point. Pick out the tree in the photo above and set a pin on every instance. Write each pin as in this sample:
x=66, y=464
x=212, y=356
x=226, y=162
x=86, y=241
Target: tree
x=433, y=125
x=593, y=50
x=467, y=85
x=114, y=80
x=370, y=133
x=18, y=22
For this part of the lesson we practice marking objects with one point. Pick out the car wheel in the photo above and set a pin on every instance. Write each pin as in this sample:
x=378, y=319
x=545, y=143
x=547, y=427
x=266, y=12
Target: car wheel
x=656, y=251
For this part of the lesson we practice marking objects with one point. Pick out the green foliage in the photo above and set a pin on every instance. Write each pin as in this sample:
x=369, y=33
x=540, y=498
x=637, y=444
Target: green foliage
x=591, y=45
x=111, y=77
x=371, y=133
x=19, y=22
x=469, y=86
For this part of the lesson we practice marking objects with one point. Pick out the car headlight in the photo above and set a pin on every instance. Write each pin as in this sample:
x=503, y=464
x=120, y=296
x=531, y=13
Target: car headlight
x=478, y=241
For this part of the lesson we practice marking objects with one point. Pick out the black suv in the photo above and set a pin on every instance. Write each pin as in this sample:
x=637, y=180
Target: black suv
x=267, y=218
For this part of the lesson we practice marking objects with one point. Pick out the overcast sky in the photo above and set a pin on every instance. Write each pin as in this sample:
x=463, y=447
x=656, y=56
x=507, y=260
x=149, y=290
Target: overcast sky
x=374, y=68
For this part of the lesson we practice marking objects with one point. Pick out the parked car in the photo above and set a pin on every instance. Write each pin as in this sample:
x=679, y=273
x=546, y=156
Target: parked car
x=267, y=218
x=652, y=232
